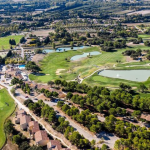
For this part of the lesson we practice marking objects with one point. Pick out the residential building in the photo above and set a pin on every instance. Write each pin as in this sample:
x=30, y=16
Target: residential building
x=33, y=128
x=24, y=120
x=41, y=138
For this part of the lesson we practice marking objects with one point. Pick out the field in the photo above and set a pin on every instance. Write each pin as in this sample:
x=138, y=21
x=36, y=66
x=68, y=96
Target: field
x=4, y=41
x=142, y=12
x=7, y=106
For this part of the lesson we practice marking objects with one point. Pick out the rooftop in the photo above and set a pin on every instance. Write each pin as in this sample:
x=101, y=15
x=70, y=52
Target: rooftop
x=41, y=135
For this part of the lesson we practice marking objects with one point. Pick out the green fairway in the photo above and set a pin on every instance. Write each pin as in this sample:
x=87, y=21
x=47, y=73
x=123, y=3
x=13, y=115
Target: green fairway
x=144, y=36
x=54, y=61
x=4, y=41
x=7, y=106
x=85, y=67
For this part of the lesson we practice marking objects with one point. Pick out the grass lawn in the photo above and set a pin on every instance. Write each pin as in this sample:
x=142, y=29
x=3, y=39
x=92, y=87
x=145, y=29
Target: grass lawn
x=55, y=61
x=5, y=111
x=4, y=41
x=85, y=67
x=145, y=36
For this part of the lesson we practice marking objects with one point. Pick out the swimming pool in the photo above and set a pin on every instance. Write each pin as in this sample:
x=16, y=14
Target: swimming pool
x=21, y=66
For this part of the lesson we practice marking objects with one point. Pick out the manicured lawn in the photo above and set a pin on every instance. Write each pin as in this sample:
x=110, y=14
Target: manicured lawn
x=4, y=41
x=84, y=67
x=7, y=106
x=87, y=66
x=144, y=35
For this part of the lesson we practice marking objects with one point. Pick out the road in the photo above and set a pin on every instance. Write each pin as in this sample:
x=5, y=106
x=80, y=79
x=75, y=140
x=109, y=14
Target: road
x=21, y=106
x=108, y=138
x=22, y=51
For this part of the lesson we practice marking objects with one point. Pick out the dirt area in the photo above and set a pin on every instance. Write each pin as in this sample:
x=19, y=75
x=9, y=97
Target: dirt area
x=142, y=12
x=37, y=58
x=41, y=96
x=131, y=44
x=42, y=32
x=10, y=146
x=58, y=71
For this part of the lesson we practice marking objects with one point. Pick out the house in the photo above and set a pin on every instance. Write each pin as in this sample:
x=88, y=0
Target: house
x=17, y=120
x=33, y=128
x=21, y=111
x=55, y=145
x=24, y=120
x=129, y=111
x=41, y=138
x=146, y=117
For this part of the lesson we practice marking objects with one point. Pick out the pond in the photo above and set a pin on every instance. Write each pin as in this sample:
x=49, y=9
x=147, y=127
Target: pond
x=77, y=57
x=21, y=66
x=132, y=75
x=62, y=49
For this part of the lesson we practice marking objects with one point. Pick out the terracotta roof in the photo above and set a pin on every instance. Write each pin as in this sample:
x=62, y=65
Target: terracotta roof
x=20, y=115
x=34, y=126
x=41, y=135
x=146, y=117
x=25, y=119
x=54, y=144
x=129, y=110
x=21, y=111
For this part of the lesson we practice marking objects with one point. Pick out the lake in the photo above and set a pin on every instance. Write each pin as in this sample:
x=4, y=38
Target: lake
x=132, y=75
x=62, y=49
x=77, y=57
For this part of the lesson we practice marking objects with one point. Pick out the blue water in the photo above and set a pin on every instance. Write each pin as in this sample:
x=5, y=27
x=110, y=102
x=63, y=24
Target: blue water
x=21, y=66
x=76, y=57
x=132, y=75
x=62, y=49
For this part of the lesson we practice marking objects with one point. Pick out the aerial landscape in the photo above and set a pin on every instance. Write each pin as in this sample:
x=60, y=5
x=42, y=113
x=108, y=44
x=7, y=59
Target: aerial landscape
x=75, y=75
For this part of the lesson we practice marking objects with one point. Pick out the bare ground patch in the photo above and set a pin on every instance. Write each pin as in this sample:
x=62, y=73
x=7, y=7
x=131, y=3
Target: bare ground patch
x=37, y=58
x=58, y=71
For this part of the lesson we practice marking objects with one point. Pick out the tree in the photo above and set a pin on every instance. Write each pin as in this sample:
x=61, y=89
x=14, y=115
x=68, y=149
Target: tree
x=60, y=103
x=58, y=82
x=104, y=147
x=143, y=88
x=50, y=83
x=8, y=127
x=53, y=45
x=16, y=139
x=24, y=145
x=88, y=35
x=32, y=66
x=69, y=95
x=13, y=91
x=22, y=40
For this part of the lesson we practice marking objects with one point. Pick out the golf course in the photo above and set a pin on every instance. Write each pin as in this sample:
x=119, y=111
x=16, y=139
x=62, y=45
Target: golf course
x=7, y=106
x=58, y=65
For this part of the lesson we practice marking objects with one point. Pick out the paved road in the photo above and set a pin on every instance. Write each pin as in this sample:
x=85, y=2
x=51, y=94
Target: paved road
x=20, y=105
x=108, y=138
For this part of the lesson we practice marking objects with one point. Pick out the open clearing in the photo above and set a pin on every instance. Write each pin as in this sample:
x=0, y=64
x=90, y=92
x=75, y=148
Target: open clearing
x=142, y=12
x=7, y=106
x=42, y=32
x=4, y=41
